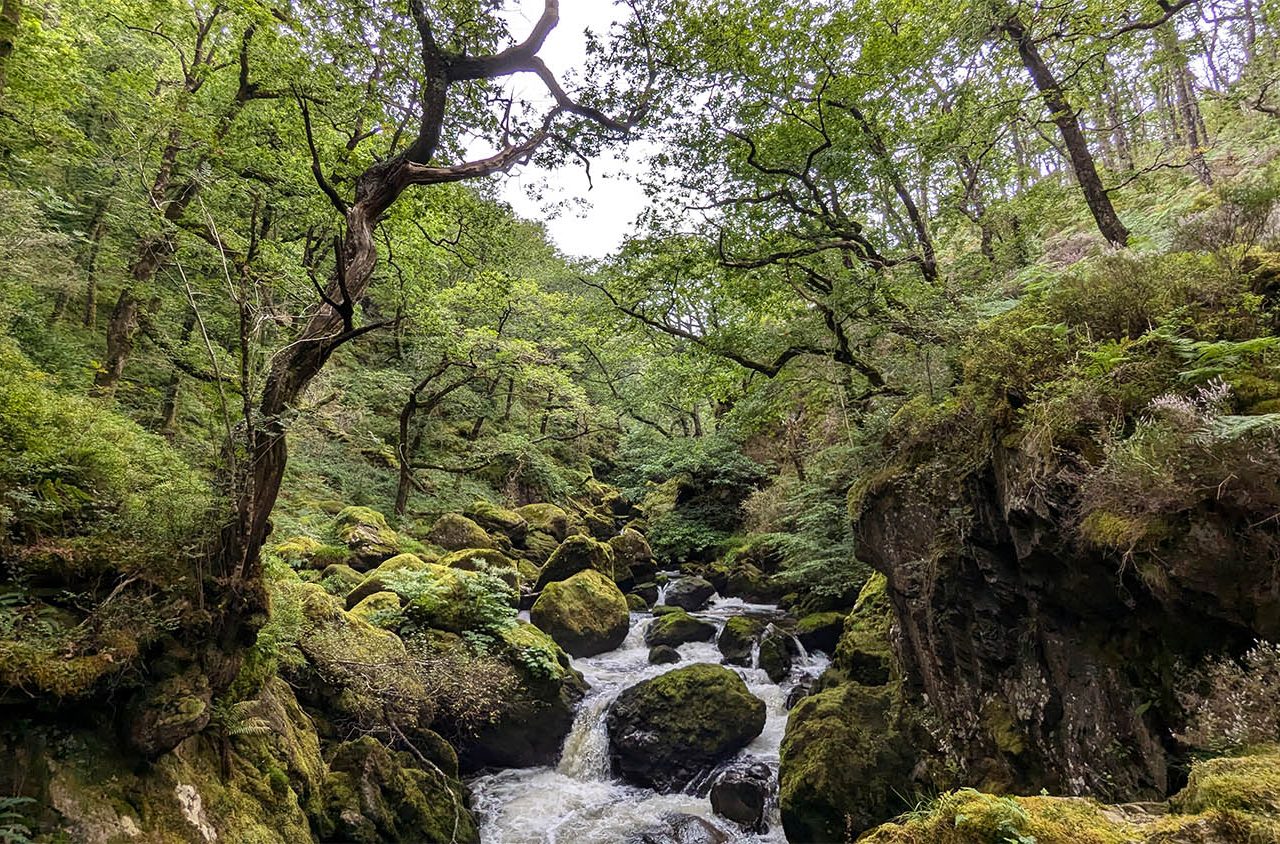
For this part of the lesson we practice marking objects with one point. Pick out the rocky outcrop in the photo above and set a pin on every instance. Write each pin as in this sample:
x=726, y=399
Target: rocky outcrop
x=666, y=731
x=586, y=614
x=367, y=535
x=374, y=795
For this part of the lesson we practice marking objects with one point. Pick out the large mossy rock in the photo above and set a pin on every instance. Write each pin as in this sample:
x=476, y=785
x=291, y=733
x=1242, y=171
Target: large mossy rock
x=633, y=556
x=453, y=599
x=374, y=795
x=535, y=724
x=366, y=533
x=169, y=712
x=586, y=614
x=546, y=518
x=485, y=559
x=376, y=580
x=666, y=731
x=677, y=627
x=846, y=761
x=820, y=631
x=575, y=554
x=738, y=637
x=497, y=519
x=454, y=532
x=864, y=653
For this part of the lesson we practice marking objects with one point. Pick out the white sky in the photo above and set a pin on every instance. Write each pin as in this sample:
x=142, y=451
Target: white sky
x=591, y=222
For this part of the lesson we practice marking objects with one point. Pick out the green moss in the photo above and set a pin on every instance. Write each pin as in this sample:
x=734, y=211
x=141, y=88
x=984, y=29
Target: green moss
x=846, y=759
x=484, y=559
x=586, y=614
x=366, y=532
x=454, y=532
x=738, y=637
x=677, y=627
x=575, y=554
x=376, y=580
x=381, y=609
x=636, y=603
x=536, y=653
x=492, y=517
x=864, y=653
x=547, y=518
x=1249, y=782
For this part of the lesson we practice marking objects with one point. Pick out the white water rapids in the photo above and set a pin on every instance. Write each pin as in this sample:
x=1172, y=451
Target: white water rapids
x=579, y=801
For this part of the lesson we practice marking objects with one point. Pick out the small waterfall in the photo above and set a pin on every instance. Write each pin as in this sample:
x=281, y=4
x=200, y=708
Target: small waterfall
x=578, y=801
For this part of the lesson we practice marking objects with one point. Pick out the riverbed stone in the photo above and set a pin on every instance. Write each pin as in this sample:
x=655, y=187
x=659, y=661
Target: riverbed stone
x=679, y=828
x=586, y=614
x=741, y=794
x=820, y=631
x=776, y=651
x=738, y=637
x=666, y=731
x=690, y=593
x=677, y=628
x=633, y=556
x=663, y=655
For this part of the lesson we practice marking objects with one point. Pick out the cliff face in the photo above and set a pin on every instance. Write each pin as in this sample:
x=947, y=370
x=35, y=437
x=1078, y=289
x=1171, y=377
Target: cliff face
x=1045, y=660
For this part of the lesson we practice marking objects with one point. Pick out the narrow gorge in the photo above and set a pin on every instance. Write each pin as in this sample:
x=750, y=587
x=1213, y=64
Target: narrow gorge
x=639, y=422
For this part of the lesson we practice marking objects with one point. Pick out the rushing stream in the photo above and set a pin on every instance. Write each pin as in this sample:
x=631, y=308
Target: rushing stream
x=578, y=801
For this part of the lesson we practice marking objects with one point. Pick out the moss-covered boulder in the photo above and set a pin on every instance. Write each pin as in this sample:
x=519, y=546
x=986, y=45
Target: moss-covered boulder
x=648, y=591
x=864, y=653
x=666, y=731
x=968, y=816
x=497, y=519
x=538, y=547
x=381, y=609
x=846, y=759
x=454, y=599
x=310, y=553
x=586, y=614
x=546, y=518
x=677, y=627
x=737, y=639
x=1248, y=784
x=485, y=559
x=375, y=795
x=167, y=713
x=820, y=631
x=575, y=554
x=366, y=533
x=339, y=579
x=376, y=580
x=536, y=722
x=633, y=556
x=636, y=603
x=454, y=532
x=601, y=526
x=777, y=649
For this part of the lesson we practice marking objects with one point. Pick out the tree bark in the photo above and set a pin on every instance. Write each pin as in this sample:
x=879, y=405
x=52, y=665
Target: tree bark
x=1188, y=109
x=97, y=233
x=10, y=23
x=1068, y=123
x=169, y=408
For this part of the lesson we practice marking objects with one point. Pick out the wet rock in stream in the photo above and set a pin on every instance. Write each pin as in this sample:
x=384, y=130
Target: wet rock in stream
x=680, y=829
x=741, y=794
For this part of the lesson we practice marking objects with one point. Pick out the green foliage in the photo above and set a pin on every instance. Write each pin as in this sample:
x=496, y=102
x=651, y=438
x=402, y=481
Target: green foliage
x=13, y=826
x=476, y=602
x=70, y=468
